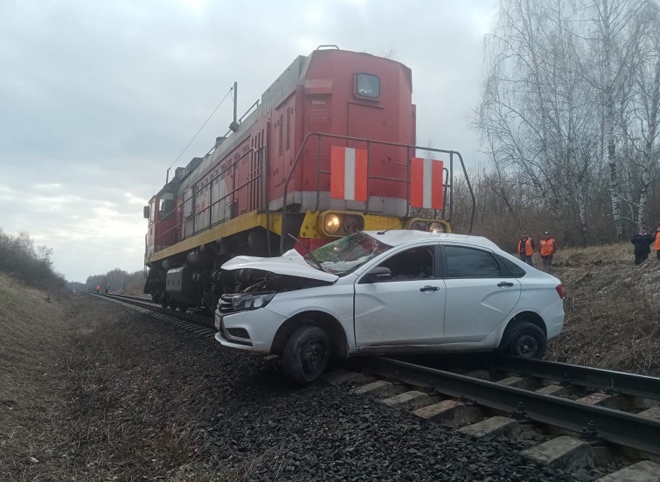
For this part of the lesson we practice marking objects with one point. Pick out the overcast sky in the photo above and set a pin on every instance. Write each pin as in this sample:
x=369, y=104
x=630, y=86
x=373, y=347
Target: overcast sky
x=97, y=99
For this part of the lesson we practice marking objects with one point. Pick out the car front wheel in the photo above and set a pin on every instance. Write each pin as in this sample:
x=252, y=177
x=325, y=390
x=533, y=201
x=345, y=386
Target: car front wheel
x=306, y=355
x=527, y=341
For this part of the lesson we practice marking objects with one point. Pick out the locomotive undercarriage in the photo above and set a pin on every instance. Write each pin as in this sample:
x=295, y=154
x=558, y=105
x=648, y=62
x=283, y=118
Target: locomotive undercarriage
x=196, y=279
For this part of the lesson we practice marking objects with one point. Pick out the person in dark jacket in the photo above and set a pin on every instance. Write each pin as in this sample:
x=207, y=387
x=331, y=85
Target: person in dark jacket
x=642, y=242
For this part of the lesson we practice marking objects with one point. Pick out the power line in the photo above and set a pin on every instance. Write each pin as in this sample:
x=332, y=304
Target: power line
x=200, y=129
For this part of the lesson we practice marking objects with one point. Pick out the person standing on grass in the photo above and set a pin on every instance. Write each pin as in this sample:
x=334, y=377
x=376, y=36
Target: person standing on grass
x=547, y=249
x=642, y=241
x=526, y=249
x=657, y=241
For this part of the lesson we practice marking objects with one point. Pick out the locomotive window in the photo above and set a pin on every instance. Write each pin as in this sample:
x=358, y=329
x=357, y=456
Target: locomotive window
x=367, y=85
x=166, y=206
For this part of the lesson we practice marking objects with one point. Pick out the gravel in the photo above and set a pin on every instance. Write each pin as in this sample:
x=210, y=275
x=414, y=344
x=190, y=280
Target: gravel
x=244, y=422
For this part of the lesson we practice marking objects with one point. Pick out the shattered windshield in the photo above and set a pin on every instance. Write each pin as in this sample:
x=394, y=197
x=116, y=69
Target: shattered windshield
x=347, y=254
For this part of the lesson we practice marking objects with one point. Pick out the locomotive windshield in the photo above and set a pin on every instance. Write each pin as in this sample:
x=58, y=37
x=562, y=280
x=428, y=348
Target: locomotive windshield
x=367, y=85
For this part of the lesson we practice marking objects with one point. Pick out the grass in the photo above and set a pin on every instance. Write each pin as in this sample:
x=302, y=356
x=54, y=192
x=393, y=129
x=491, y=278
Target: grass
x=612, y=309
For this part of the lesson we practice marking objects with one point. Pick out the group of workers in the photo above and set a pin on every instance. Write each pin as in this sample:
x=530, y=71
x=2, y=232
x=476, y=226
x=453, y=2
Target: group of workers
x=547, y=248
x=642, y=242
x=107, y=287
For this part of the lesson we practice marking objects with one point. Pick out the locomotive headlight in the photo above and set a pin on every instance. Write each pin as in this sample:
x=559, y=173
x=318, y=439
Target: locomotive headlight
x=331, y=223
x=353, y=224
x=436, y=228
x=419, y=226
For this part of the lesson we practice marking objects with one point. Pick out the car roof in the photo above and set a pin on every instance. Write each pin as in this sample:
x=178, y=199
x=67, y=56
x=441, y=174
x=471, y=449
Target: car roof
x=403, y=236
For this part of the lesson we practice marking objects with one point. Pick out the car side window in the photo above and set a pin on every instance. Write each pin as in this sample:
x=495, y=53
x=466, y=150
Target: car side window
x=411, y=264
x=470, y=263
x=514, y=270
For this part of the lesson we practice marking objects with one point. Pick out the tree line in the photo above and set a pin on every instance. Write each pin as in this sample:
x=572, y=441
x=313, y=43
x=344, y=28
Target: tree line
x=568, y=115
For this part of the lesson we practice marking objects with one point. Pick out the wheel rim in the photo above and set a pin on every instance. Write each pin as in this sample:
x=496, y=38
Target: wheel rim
x=526, y=345
x=312, y=357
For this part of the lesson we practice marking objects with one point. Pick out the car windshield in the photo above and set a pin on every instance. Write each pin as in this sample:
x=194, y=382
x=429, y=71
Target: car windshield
x=347, y=254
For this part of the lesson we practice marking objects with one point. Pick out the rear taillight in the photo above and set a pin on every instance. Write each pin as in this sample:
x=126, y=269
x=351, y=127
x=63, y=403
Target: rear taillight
x=560, y=291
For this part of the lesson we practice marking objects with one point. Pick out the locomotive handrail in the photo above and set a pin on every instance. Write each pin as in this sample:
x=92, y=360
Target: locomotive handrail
x=234, y=190
x=408, y=147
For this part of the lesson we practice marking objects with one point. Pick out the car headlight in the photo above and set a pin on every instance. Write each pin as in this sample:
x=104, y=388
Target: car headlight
x=251, y=301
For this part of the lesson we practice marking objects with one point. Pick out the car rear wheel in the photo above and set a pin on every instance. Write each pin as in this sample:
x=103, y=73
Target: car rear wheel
x=527, y=341
x=306, y=355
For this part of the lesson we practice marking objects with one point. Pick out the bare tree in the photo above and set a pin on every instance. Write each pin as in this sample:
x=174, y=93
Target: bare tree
x=641, y=122
x=537, y=108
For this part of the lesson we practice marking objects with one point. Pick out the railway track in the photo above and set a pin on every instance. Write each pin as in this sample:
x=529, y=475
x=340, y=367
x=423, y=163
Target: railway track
x=572, y=416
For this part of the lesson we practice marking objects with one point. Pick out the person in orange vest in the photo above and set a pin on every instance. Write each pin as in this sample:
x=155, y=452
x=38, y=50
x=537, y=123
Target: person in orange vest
x=657, y=241
x=547, y=249
x=526, y=249
x=98, y=288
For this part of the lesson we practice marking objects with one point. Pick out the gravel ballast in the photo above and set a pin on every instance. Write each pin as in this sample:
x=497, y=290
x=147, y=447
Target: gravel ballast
x=153, y=401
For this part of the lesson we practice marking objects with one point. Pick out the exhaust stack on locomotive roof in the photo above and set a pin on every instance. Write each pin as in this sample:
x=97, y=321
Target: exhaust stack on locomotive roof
x=328, y=149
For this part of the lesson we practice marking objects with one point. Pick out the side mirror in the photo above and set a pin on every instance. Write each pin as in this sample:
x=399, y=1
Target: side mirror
x=379, y=273
x=145, y=212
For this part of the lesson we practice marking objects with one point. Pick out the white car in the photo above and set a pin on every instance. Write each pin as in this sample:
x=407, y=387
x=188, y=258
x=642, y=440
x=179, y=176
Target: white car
x=390, y=292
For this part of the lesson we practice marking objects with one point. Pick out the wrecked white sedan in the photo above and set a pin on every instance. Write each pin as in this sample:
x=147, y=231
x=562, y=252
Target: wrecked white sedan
x=386, y=293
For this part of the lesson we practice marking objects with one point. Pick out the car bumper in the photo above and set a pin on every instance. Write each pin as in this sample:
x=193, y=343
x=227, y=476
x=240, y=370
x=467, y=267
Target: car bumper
x=250, y=330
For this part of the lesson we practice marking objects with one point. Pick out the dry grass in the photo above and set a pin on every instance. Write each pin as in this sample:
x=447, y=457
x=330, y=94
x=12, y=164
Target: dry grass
x=613, y=310
x=32, y=333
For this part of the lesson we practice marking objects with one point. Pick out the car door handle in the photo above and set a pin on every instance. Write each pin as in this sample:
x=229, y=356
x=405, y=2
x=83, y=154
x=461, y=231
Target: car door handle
x=504, y=283
x=429, y=288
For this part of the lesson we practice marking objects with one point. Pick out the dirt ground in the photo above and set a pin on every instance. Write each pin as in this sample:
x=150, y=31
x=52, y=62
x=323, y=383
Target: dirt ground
x=91, y=391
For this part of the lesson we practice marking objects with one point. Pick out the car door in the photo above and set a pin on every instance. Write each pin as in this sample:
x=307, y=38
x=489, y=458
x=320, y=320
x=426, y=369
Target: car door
x=405, y=310
x=480, y=293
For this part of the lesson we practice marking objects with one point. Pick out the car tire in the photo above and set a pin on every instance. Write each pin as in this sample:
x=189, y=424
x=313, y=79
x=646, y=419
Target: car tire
x=306, y=355
x=527, y=341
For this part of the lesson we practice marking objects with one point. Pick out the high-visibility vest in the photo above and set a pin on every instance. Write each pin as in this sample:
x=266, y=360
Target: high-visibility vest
x=657, y=241
x=547, y=247
x=529, y=249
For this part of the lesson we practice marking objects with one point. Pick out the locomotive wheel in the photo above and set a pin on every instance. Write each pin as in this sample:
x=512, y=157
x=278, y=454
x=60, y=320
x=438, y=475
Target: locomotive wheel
x=306, y=355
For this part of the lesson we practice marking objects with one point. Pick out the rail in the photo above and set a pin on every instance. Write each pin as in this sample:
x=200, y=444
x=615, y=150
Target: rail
x=566, y=374
x=610, y=425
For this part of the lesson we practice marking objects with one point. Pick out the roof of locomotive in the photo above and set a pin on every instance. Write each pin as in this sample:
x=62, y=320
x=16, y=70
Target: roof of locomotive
x=280, y=89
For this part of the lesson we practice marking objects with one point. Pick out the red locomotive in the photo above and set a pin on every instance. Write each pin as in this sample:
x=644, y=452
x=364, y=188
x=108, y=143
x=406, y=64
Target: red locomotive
x=328, y=150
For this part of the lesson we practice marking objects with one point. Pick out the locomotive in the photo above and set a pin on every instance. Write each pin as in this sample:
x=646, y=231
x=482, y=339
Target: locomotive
x=328, y=149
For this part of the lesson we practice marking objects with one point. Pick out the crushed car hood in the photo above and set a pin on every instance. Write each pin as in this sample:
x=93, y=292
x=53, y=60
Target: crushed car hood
x=290, y=263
